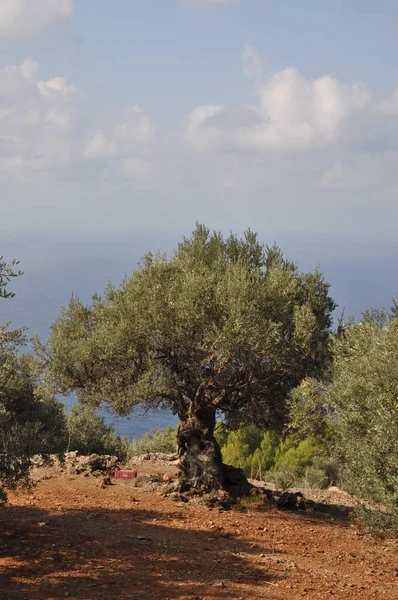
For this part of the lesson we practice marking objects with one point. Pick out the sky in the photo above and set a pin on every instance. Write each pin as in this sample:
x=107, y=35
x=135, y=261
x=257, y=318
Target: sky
x=131, y=120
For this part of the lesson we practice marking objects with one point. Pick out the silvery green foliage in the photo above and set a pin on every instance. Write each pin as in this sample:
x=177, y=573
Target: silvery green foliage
x=222, y=322
x=29, y=424
x=364, y=394
x=155, y=440
x=356, y=410
x=7, y=272
x=224, y=325
x=89, y=434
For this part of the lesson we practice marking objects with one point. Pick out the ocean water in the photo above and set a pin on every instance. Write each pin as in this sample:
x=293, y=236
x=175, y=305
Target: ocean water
x=52, y=272
x=361, y=275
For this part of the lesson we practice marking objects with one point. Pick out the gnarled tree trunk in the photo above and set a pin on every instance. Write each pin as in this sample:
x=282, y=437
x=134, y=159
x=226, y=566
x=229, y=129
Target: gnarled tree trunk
x=201, y=461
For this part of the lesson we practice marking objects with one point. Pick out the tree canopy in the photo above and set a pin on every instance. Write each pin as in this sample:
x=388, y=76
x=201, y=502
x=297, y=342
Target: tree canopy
x=28, y=423
x=223, y=325
x=357, y=407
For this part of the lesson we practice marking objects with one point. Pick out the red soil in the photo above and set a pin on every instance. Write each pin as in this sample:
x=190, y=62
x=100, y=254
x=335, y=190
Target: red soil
x=69, y=537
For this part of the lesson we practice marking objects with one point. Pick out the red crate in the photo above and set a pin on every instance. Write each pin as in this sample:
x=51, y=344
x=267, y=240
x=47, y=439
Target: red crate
x=120, y=474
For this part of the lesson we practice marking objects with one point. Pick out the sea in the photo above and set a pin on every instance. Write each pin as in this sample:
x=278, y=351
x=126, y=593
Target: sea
x=52, y=271
x=363, y=273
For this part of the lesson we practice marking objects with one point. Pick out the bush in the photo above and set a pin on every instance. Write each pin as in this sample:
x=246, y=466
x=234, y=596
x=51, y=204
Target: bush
x=156, y=440
x=298, y=456
x=315, y=479
x=240, y=446
x=378, y=522
x=29, y=424
x=363, y=393
x=358, y=409
x=331, y=468
x=263, y=458
x=284, y=477
x=88, y=433
x=287, y=461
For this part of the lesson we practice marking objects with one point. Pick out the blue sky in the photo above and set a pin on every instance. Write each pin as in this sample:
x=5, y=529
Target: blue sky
x=145, y=116
x=124, y=122
x=190, y=52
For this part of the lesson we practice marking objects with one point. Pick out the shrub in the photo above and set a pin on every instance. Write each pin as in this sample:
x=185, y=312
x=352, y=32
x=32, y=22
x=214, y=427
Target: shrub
x=315, y=478
x=358, y=406
x=89, y=434
x=378, y=522
x=284, y=477
x=363, y=393
x=239, y=447
x=263, y=458
x=29, y=424
x=332, y=469
x=299, y=456
x=156, y=440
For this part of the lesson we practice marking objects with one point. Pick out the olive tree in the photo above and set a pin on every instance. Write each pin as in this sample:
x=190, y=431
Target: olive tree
x=223, y=326
x=356, y=408
x=7, y=272
x=29, y=424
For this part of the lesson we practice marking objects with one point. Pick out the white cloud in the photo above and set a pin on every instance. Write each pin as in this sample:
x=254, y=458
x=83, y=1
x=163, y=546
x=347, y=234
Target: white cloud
x=42, y=127
x=307, y=113
x=133, y=131
x=38, y=119
x=125, y=145
x=293, y=114
x=98, y=146
x=197, y=129
x=362, y=171
x=315, y=145
x=22, y=18
x=389, y=106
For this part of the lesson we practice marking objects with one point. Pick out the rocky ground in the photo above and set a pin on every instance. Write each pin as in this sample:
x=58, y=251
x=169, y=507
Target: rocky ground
x=73, y=536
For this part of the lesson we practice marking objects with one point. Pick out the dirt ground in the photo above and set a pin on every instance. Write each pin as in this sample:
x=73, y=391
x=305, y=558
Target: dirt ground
x=71, y=538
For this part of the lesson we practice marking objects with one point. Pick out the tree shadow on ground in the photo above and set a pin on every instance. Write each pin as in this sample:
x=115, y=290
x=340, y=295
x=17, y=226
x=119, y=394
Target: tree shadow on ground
x=319, y=513
x=101, y=553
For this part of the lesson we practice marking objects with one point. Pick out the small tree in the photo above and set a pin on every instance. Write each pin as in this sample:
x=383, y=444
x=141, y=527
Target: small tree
x=89, y=434
x=263, y=457
x=364, y=393
x=357, y=408
x=251, y=449
x=28, y=423
x=240, y=445
x=297, y=455
x=155, y=440
x=224, y=325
